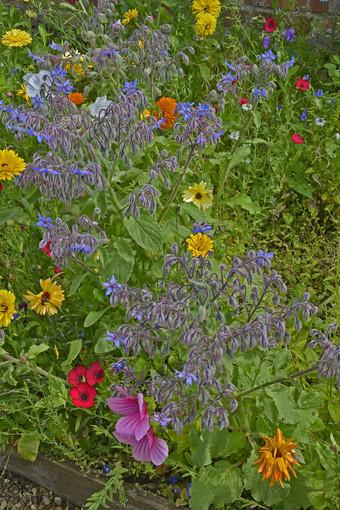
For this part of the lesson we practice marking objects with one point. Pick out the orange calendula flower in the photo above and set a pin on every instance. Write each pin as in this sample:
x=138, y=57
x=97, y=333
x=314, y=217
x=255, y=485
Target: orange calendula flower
x=76, y=98
x=277, y=457
x=47, y=301
x=167, y=107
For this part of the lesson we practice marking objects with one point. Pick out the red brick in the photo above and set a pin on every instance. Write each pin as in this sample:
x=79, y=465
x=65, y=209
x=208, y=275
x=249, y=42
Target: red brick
x=335, y=7
x=317, y=6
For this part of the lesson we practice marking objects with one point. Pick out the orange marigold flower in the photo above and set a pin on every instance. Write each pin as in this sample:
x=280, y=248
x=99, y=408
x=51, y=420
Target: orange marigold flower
x=76, y=98
x=167, y=106
x=277, y=457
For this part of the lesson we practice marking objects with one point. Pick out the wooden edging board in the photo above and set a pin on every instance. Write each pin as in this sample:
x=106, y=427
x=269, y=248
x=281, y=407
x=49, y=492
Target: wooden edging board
x=67, y=481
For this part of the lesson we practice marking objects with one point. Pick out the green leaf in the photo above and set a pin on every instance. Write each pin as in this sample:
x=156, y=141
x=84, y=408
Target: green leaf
x=103, y=346
x=146, y=232
x=334, y=411
x=207, y=445
x=120, y=263
x=216, y=485
x=301, y=186
x=239, y=155
x=28, y=445
x=75, y=348
x=36, y=349
x=9, y=214
x=94, y=317
x=76, y=283
x=245, y=202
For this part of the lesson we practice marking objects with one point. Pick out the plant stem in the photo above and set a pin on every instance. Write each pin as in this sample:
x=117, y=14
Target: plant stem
x=84, y=265
x=177, y=185
x=27, y=364
x=115, y=202
x=279, y=379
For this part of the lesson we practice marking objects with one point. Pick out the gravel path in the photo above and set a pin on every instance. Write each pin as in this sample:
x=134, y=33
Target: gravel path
x=20, y=494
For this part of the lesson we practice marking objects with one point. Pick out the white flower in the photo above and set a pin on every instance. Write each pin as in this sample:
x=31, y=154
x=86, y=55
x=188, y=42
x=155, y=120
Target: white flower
x=247, y=106
x=319, y=121
x=247, y=161
x=101, y=103
x=337, y=136
x=234, y=135
x=35, y=81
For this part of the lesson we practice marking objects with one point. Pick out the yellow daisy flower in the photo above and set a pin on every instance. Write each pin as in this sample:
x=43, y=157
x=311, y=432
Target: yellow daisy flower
x=16, y=37
x=6, y=307
x=277, y=457
x=22, y=92
x=77, y=66
x=205, y=25
x=206, y=7
x=200, y=196
x=199, y=244
x=52, y=296
x=10, y=164
x=129, y=16
x=145, y=114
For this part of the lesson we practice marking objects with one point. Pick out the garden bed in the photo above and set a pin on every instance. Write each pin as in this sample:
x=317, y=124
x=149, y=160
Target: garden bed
x=75, y=486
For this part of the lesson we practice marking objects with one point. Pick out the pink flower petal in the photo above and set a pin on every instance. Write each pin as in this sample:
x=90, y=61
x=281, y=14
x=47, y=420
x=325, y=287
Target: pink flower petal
x=127, y=425
x=142, y=426
x=158, y=450
x=124, y=406
x=141, y=450
x=124, y=439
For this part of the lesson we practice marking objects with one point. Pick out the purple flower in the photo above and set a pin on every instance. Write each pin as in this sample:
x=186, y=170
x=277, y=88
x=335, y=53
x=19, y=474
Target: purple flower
x=58, y=72
x=203, y=111
x=201, y=141
x=114, y=338
x=229, y=78
x=188, y=378
x=266, y=41
x=279, y=107
x=306, y=77
x=264, y=254
x=304, y=115
x=56, y=46
x=111, y=286
x=44, y=222
x=37, y=101
x=268, y=57
x=185, y=110
x=290, y=35
x=319, y=93
x=129, y=88
x=64, y=86
x=85, y=248
x=35, y=57
x=161, y=420
x=261, y=92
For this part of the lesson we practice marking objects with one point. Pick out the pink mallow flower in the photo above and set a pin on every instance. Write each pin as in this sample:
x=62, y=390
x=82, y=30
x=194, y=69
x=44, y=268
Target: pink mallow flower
x=134, y=428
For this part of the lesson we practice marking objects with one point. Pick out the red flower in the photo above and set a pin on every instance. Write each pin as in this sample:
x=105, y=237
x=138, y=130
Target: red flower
x=94, y=374
x=243, y=100
x=297, y=138
x=270, y=25
x=0, y=187
x=83, y=395
x=302, y=84
x=75, y=376
x=57, y=270
x=46, y=249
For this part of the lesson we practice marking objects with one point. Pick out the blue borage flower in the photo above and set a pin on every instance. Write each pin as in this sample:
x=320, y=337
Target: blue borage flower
x=201, y=141
x=80, y=172
x=217, y=135
x=106, y=469
x=64, y=87
x=264, y=254
x=163, y=421
x=114, y=338
x=279, y=106
x=56, y=46
x=259, y=92
x=14, y=71
x=78, y=247
x=111, y=286
x=173, y=480
x=229, y=78
x=188, y=378
x=268, y=57
x=229, y=66
x=185, y=110
x=266, y=41
x=44, y=222
x=37, y=101
x=319, y=93
x=45, y=171
x=58, y=72
x=109, y=52
x=35, y=57
x=129, y=88
x=290, y=63
x=157, y=124
x=306, y=77
x=304, y=115
x=118, y=366
x=202, y=111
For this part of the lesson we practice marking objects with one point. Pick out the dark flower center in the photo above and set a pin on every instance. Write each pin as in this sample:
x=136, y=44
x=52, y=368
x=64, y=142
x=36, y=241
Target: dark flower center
x=3, y=165
x=84, y=396
x=98, y=374
x=198, y=196
x=45, y=298
x=79, y=378
x=3, y=308
x=271, y=24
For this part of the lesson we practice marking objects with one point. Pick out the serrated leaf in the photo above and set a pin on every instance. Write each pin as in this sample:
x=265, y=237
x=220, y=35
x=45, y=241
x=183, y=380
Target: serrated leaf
x=75, y=348
x=28, y=445
x=93, y=317
x=146, y=232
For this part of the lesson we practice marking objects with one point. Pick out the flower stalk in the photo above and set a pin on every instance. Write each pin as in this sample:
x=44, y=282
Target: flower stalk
x=23, y=361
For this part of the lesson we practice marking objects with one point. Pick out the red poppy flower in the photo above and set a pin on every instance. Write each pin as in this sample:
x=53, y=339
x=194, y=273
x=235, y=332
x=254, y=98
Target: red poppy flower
x=1, y=187
x=83, y=395
x=46, y=249
x=75, y=376
x=270, y=25
x=244, y=100
x=94, y=374
x=302, y=84
x=297, y=138
x=57, y=270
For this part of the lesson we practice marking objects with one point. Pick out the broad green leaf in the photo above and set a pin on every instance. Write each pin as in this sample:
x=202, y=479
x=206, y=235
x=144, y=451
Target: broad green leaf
x=103, y=346
x=76, y=282
x=207, y=445
x=94, y=317
x=28, y=445
x=239, y=155
x=75, y=348
x=36, y=349
x=120, y=261
x=245, y=202
x=146, y=232
x=9, y=214
x=334, y=411
x=302, y=187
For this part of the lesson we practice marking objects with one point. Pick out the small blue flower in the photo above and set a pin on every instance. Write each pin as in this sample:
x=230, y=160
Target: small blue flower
x=158, y=124
x=202, y=111
x=266, y=41
x=109, y=52
x=306, y=77
x=17, y=114
x=176, y=491
x=188, y=378
x=229, y=78
x=161, y=420
x=279, y=107
x=201, y=140
x=319, y=93
x=64, y=86
x=80, y=172
x=59, y=72
x=268, y=57
x=185, y=110
x=114, y=338
x=35, y=57
x=15, y=316
x=106, y=469
x=37, y=101
x=45, y=171
x=264, y=254
x=260, y=92
x=129, y=88
x=138, y=314
x=14, y=71
x=111, y=286
x=290, y=63
x=44, y=222
x=229, y=66
x=56, y=46
x=201, y=229
x=41, y=137
x=304, y=115
x=77, y=247
x=333, y=101
x=217, y=135
x=290, y=34
x=173, y=480
x=188, y=489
